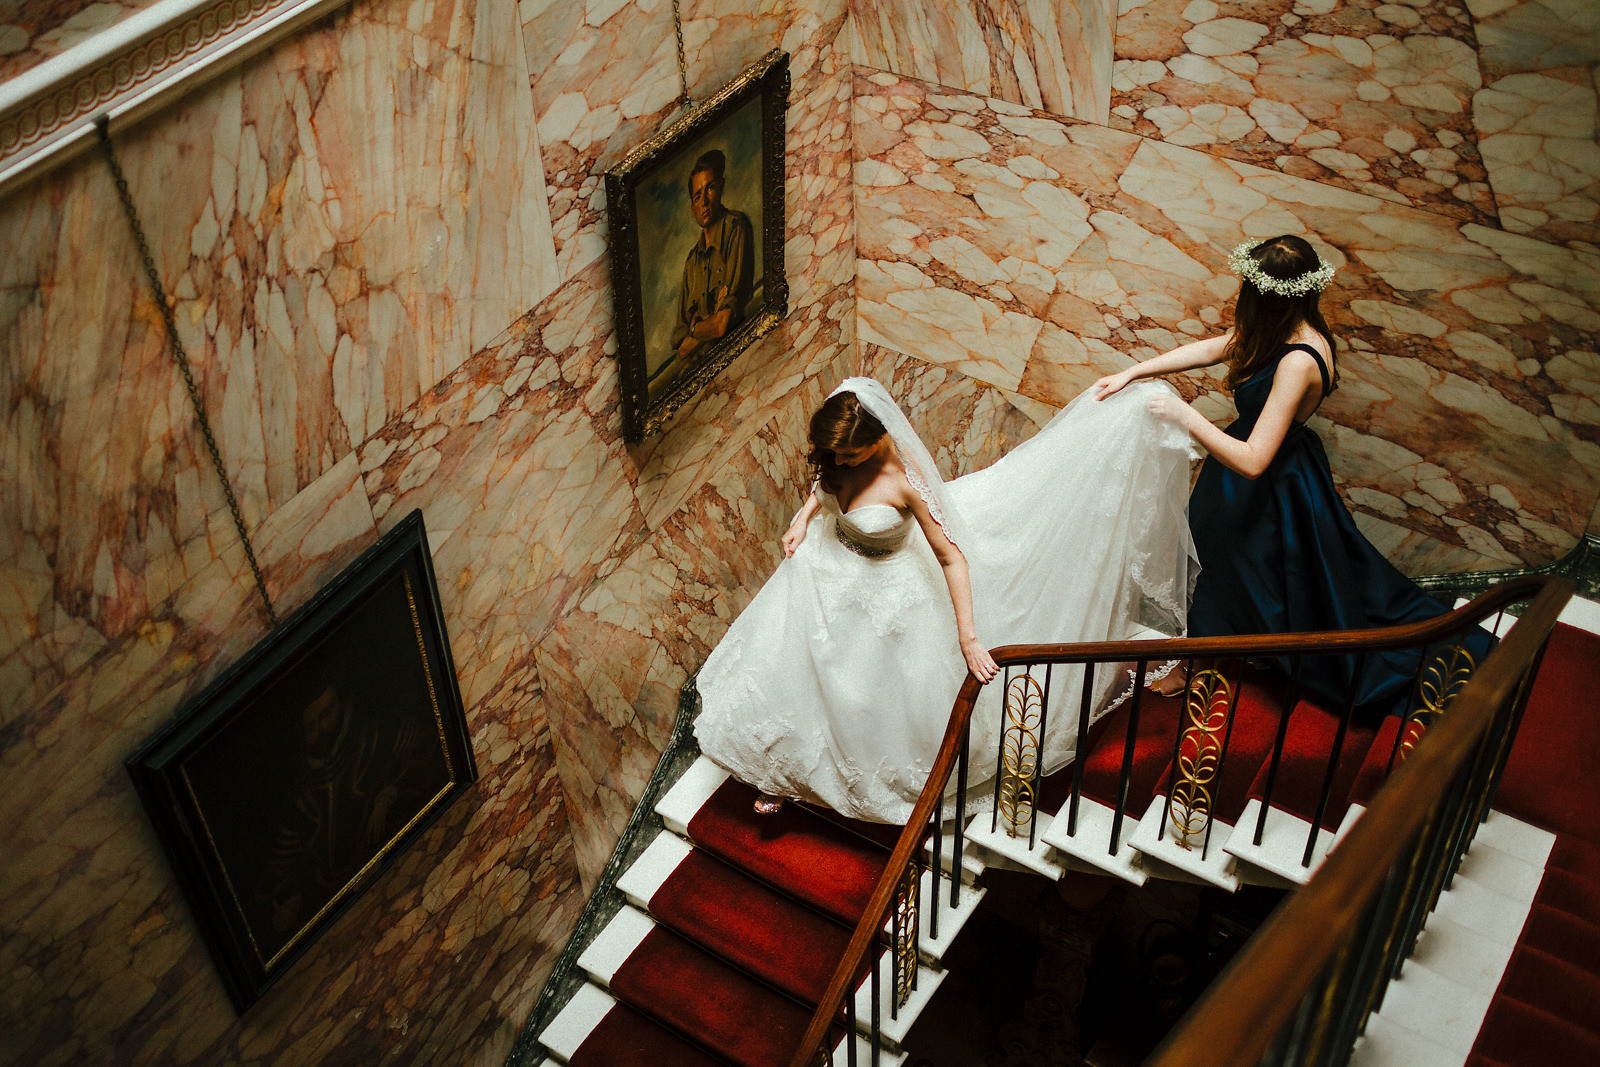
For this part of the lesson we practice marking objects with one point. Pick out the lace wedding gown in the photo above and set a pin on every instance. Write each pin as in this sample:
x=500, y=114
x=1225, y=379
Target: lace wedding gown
x=836, y=683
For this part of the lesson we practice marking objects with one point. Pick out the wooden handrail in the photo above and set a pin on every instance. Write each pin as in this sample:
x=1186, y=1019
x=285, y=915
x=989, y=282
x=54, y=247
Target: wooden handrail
x=1244, y=1010
x=910, y=840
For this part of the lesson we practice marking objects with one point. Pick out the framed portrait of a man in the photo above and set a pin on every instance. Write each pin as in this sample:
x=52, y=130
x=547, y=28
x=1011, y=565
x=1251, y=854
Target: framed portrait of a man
x=285, y=788
x=697, y=234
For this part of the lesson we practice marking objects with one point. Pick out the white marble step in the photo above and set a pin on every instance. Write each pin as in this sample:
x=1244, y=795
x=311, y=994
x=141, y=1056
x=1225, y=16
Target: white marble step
x=1091, y=843
x=572, y=1026
x=998, y=847
x=680, y=803
x=1283, y=843
x=1204, y=857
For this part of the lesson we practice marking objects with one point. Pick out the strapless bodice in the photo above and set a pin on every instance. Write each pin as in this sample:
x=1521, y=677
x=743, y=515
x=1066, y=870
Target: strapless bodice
x=870, y=530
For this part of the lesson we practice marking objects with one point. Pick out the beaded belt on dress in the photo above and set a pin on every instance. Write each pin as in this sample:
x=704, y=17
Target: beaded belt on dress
x=869, y=551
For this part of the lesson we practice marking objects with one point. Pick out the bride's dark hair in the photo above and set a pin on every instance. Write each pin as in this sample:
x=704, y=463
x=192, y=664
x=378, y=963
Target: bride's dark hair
x=1263, y=322
x=841, y=423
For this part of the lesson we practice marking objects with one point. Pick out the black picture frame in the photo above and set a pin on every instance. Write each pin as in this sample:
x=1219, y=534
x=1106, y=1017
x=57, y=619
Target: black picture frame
x=654, y=229
x=290, y=783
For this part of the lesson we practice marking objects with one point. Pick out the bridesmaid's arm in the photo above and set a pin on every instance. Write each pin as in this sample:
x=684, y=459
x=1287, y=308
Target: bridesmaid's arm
x=956, y=577
x=1297, y=375
x=797, y=528
x=1193, y=355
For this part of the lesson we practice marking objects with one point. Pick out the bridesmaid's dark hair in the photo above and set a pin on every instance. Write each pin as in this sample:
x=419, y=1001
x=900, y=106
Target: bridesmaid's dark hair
x=840, y=423
x=1264, y=322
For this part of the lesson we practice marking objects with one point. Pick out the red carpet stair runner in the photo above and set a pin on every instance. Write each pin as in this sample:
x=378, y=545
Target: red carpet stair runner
x=1546, y=1011
x=733, y=926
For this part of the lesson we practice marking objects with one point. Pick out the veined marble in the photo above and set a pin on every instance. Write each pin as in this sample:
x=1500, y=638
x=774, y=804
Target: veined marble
x=1538, y=115
x=32, y=32
x=1035, y=254
x=1049, y=54
x=327, y=266
x=605, y=77
x=1358, y=94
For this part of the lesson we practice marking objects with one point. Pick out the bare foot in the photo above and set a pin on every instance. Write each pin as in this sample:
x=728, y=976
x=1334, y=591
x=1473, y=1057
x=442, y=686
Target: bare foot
x=766, y=804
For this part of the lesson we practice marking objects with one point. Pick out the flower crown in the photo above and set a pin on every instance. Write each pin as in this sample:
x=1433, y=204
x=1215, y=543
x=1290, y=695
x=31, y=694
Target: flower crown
x=1312, y=281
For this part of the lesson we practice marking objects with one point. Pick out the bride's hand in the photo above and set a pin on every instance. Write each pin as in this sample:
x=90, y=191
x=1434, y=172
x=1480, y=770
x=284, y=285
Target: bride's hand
x=792, y=538
x=1111, y=383
x=979, y=662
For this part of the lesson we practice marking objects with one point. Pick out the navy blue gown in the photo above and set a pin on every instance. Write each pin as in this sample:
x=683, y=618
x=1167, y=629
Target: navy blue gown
x=1282, y=554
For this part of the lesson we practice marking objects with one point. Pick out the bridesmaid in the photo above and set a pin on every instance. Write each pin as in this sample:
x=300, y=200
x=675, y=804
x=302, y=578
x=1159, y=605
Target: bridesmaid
x=1278, y=550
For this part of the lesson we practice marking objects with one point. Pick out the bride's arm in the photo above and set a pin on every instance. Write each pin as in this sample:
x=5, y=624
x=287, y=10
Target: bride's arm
x=797, y=528
x=954, y=565
x=1184, y=357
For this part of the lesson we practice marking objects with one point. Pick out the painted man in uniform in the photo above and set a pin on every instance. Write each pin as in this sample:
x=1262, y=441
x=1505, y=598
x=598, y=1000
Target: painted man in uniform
x=719, y=271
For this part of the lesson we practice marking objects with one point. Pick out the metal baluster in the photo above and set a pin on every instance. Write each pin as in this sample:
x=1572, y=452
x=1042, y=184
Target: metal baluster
x=1410, y=712
x=1000, y=749
x=1083, y=748
x=895, y=936
x=938, y=865
x=850, y=1028
x=1293, y=698
x=1127, y=759
x=877, y=997
x=1333, y=765
x=961, y=816
x=1038, y=760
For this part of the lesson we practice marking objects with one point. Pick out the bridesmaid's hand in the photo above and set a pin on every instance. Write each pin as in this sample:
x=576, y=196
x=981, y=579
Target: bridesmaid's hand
x=1169, y=406
x=979, y=662
x=792, y=538
x=1111, y=383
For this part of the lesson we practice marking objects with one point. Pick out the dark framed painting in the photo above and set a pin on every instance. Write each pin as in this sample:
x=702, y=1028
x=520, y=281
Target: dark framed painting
x=284, y=789
x=697, y=233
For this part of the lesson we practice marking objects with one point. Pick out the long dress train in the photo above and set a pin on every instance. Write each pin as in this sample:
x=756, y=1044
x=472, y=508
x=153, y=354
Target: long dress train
x=836, y=683
x=1282, y=554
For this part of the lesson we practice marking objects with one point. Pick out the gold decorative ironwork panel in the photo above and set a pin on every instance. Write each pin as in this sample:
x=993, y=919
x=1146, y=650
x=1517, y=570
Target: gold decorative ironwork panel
x=906, y=934
x=1019, y=751
x=1199, y=756
x=1445, y=677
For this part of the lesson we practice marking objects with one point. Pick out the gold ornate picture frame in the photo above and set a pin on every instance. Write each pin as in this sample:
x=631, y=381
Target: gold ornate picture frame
x=697, y=235
x=291, y=782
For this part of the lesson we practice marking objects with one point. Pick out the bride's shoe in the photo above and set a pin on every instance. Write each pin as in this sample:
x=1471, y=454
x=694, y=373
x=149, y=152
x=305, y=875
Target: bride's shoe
x=1173, y=683
x=766, y=804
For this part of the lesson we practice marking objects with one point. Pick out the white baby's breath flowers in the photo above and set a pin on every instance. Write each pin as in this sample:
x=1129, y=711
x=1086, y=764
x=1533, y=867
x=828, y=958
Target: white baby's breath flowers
x=1312, y=281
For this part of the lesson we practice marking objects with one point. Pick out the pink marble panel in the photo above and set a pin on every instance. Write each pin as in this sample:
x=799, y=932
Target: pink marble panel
x=1358, y=94
x=1538, y=115
x=1468, y=367
x=605, y=77
x=1038, y=53
x=327, y=265
x=32, y=31
x=616, y=663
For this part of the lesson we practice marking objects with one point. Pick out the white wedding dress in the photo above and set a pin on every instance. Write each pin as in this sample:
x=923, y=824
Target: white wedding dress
x=836, y=683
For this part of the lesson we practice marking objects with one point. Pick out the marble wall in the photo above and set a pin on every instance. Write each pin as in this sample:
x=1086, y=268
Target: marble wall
x=1443, y=156
x=388, y=307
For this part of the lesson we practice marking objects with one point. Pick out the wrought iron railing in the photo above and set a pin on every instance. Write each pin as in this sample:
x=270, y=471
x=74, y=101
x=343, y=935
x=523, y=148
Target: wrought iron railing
x=1301, y=991
x=1034, y=675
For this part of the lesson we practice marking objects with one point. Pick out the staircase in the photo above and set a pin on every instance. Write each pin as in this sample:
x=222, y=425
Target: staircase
x=734, y=923
x=733, y=926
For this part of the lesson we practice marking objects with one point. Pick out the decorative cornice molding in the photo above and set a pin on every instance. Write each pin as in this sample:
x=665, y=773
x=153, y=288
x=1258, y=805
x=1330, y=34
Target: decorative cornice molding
x=145, y=61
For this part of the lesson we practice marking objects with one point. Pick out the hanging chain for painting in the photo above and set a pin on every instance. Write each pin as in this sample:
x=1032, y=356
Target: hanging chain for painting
x=683, y=63
x=102, y=124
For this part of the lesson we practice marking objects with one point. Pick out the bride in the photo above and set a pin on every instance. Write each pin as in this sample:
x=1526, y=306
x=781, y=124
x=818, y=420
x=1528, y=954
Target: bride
x=836, y=683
